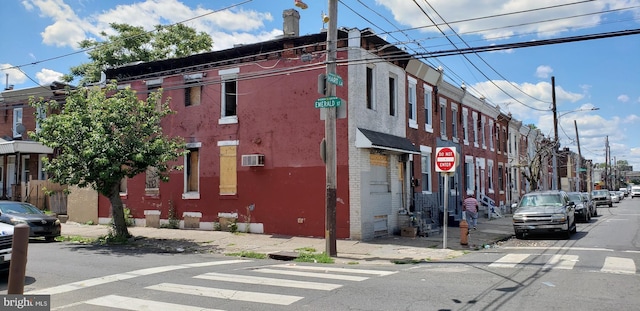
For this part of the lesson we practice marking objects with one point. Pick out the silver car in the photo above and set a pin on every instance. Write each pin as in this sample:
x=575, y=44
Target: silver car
x=545, y=212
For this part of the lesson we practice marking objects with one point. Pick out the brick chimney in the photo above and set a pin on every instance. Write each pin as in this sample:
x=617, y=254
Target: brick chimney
x=291, y=23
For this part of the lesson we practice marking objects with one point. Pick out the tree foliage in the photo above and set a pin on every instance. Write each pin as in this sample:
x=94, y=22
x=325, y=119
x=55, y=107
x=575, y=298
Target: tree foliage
x=102, y=135
x=134, y=44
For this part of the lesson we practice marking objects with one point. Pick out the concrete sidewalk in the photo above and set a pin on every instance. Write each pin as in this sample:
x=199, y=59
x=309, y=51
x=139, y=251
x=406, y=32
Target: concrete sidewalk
x=385, y=250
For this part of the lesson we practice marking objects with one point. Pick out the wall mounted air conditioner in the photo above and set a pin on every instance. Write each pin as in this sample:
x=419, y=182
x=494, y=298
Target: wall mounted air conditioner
x=253, y=160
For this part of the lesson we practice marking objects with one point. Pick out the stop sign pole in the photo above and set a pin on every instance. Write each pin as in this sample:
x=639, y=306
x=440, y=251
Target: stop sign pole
x=446, y=162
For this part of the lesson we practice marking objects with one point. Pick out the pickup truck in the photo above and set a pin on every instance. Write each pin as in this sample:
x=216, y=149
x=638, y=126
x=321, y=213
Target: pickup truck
x=6, y=245
x=601, y=197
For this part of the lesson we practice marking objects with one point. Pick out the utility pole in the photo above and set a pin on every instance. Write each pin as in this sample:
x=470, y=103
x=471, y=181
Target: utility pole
x=579, y=161
x=330, y=135
x=555, y=182
x=606, y=162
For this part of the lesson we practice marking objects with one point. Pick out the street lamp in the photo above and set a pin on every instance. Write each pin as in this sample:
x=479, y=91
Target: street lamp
x=556, y=177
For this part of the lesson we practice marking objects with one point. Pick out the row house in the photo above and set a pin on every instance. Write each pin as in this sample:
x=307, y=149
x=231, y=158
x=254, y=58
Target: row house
x=253, y=137
x=20, y=157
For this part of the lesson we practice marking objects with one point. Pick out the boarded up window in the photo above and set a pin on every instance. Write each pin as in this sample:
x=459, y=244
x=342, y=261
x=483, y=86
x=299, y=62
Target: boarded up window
x=192, y=95
x=379, y=173
x=192, y=171
x=228, y=173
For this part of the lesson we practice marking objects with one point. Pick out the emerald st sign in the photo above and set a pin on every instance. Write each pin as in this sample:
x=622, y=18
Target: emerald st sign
x=328, y=102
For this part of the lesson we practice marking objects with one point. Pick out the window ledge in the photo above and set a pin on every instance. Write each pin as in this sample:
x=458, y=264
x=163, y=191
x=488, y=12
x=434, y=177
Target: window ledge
x=413, y=124
x=228, y=120
x=428, y=128
x=191, y=196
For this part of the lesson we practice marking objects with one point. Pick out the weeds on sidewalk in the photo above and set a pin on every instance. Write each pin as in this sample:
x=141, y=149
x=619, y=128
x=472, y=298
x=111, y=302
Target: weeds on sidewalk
x=308, y=254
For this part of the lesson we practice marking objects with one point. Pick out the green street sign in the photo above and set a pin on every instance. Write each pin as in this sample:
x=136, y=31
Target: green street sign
x=328, y=102
x=334, y=79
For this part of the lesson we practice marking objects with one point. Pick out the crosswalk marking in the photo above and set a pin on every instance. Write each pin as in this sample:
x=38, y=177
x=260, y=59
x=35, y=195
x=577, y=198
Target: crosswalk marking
x=134, y=304
x=509, y=261
x=125, y=276
x=245, y=279
x=313, y=274
x=341, y=270
x=619, y=265
x=226, y=294
x=561, y=262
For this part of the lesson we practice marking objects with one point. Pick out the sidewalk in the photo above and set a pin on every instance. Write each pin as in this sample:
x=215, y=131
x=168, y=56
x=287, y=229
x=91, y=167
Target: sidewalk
x=378, y=251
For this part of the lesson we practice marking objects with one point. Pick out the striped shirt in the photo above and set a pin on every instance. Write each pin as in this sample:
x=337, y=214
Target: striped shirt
x=470, y=204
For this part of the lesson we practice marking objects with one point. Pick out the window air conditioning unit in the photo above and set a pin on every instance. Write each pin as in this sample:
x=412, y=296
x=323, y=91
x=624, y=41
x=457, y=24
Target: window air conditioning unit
x=253, y=160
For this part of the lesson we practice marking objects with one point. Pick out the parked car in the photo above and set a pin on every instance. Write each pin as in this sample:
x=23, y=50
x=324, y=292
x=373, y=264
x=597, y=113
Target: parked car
x=40, y=224
x=615, y=198
x=601, y=197
x=635, y=191
x=592, y=206
x=620, y=195
x=6, y=245
x=545, y=212
x=625, y=191
x=582, y=206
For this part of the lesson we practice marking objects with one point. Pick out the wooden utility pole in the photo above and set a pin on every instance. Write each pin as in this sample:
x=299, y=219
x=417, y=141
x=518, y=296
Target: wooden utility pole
x=555, y=184
x=330, y=135
x=579, y=161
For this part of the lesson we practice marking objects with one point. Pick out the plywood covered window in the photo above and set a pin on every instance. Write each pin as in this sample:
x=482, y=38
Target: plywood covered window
x=192, y=94
x=228, y=170
x=192, y=170
x=379, y=173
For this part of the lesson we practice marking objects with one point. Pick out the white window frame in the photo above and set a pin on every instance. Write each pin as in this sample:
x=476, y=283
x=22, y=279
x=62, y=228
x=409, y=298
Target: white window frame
x=475, y=129
x=443, y=118
x=428, y=108
x=226, y=75
x=491, y=130
x=483, y=122
x=17, y=119
x=490, y=176
x=412, y=102
x=454, y=122
x=469, y=174
x=425, y=156
x=186, y=194
x=465, y=125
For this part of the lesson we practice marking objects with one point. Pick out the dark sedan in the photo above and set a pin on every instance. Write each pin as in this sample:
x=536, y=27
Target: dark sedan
x=40, y=224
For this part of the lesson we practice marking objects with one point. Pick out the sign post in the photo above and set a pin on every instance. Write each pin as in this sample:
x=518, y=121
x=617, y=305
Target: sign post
x=446, y=162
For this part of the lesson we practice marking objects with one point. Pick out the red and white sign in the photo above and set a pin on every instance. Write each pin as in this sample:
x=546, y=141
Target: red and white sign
x=446, y=159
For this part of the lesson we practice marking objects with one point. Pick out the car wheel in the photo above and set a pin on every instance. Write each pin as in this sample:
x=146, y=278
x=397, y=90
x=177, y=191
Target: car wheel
x=519, y=235
x=50, y=238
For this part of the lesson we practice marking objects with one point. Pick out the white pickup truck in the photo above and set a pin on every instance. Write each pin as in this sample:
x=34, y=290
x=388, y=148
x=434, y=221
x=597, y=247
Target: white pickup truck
x=6, y=244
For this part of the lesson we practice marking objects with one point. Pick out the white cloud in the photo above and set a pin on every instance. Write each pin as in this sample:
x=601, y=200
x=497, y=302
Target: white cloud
x=631, y=119
x=408, y=13
x=623, y=98
x=15, y=76
x=231, y=26
x=47, y=76
x=543, y=71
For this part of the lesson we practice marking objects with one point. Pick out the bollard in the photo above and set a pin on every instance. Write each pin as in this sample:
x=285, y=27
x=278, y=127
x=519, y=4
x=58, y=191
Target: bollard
x=18, y=263
x=464, y=232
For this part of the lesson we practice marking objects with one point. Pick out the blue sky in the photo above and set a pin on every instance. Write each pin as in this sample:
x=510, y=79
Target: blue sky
x=40, y=37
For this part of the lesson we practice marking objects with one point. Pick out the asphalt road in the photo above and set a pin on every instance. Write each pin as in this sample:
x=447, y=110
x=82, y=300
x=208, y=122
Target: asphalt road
x=596, y=269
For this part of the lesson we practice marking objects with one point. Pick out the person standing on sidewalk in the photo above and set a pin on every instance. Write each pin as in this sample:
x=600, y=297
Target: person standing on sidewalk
x=470, y=206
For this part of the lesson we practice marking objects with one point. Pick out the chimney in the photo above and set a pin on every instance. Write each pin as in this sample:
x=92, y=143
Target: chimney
x=291, y=23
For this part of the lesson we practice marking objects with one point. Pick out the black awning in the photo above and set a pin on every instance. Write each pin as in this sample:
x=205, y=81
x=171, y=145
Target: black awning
x=373, y=139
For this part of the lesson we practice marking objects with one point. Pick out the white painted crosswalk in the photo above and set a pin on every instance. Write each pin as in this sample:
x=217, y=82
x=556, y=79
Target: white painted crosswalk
x=610, y=264
x=256, y=286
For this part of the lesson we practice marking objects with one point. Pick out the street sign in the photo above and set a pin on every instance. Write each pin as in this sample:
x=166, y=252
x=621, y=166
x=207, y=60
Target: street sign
x=334, y=79
x=446, y=159
x=328, y=102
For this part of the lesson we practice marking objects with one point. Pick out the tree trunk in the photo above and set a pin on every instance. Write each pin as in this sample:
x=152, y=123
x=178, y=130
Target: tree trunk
x=117, y=213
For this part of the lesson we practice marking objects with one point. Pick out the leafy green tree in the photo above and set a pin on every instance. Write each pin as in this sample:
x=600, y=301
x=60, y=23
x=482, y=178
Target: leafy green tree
x=102, y=135
x=134, y=44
